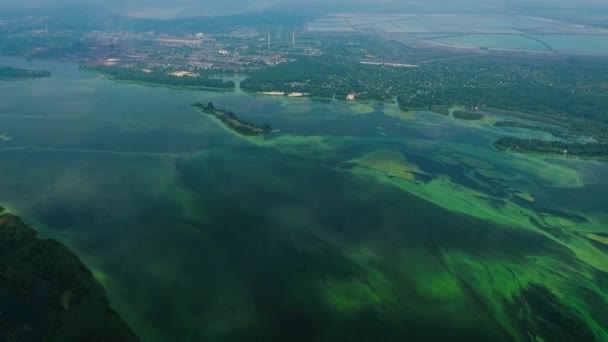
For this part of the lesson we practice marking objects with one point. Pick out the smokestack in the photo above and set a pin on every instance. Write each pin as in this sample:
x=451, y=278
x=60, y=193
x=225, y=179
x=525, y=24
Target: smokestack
x=293, y=36
x=268, y=41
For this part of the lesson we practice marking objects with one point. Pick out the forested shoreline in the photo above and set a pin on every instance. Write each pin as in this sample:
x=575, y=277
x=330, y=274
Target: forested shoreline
x=565, y=88
x=593, y=150
x=48, y=293
x=158, y=77
x=568, y=93
x=8, y=73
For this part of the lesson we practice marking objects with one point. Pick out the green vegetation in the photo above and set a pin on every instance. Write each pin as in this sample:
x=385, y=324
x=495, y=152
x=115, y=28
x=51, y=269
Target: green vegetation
x=316, y=77
x=554, y=131
x=270, y=239
x=586, y=150
x=440, y=109
x=231, y=120
x=571, y=93
x=48, y=294
x=8, y=73
x=159, y=77
x=392, y=163
x=466, y=115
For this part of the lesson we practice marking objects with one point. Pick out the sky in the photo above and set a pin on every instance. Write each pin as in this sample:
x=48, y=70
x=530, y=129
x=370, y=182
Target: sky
x=165, y=9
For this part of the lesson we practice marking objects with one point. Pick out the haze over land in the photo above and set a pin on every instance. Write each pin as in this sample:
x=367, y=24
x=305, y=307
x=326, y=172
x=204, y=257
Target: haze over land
x=164, y=9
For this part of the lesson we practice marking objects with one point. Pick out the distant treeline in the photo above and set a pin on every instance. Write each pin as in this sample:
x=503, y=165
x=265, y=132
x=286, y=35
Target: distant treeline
x=158, y=77
x=8, y=73
x=586, y=150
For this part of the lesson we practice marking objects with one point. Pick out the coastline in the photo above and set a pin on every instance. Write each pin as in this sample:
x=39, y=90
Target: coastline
x=35, y=272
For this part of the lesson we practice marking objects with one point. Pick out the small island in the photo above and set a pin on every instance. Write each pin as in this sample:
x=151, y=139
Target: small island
x=593, y=150
x=47, y=294
x=231, y=120
x=8, y=73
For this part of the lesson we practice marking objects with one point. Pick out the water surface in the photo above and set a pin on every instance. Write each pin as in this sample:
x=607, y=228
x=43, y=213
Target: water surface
x=353, y=223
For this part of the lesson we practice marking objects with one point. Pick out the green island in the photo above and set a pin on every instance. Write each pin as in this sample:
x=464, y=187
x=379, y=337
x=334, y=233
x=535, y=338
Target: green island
x=47, y=294
x=230, y=119
x=160, y=77
x=8, y=73
x=585, y=150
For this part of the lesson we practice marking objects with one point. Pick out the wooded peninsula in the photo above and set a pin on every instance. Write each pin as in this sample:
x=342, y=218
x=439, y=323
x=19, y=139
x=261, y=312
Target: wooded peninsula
x=230, y=119
x=8, y=73
x=159, y=77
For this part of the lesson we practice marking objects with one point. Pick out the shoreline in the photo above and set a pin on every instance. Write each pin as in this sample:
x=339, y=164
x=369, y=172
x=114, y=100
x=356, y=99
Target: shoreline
x=230, y=119
x=47, y=270
x=282, y=93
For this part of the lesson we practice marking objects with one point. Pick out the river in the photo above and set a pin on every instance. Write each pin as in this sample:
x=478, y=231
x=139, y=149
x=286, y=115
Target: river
x=354, y=222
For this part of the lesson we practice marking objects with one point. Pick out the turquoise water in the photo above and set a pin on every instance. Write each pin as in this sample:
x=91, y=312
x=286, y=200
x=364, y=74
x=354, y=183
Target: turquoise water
x=494, y=41
x=456, y=21
x=431, y=35
x=338, y=23
x=340, y=227
x=592, y=44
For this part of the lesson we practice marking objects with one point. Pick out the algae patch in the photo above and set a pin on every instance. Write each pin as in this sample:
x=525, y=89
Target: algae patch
x=362, y=108
x=394, y=111
x=597, y=238
x=447, y=160
x=491, y=174
x=475, y=163
x=526, y=196
x=390, y=162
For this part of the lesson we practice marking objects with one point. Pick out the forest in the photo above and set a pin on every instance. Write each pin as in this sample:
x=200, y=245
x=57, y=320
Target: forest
x=554, y=131
x=569, y=92
x=586, y=150
x=8, y=73
x=230, y=119
x=56, y=297
x=317, y=77
x=158, y=77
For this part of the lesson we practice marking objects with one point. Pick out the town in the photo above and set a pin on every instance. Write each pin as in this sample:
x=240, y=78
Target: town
x=239, y=50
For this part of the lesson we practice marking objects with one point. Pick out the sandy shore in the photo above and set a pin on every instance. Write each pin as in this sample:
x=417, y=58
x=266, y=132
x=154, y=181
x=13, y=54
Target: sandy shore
x=184, y=73
x=295, y=94
x=277, y=93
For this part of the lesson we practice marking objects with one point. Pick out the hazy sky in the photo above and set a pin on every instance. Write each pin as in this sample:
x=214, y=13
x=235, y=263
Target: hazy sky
x=173, y=8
